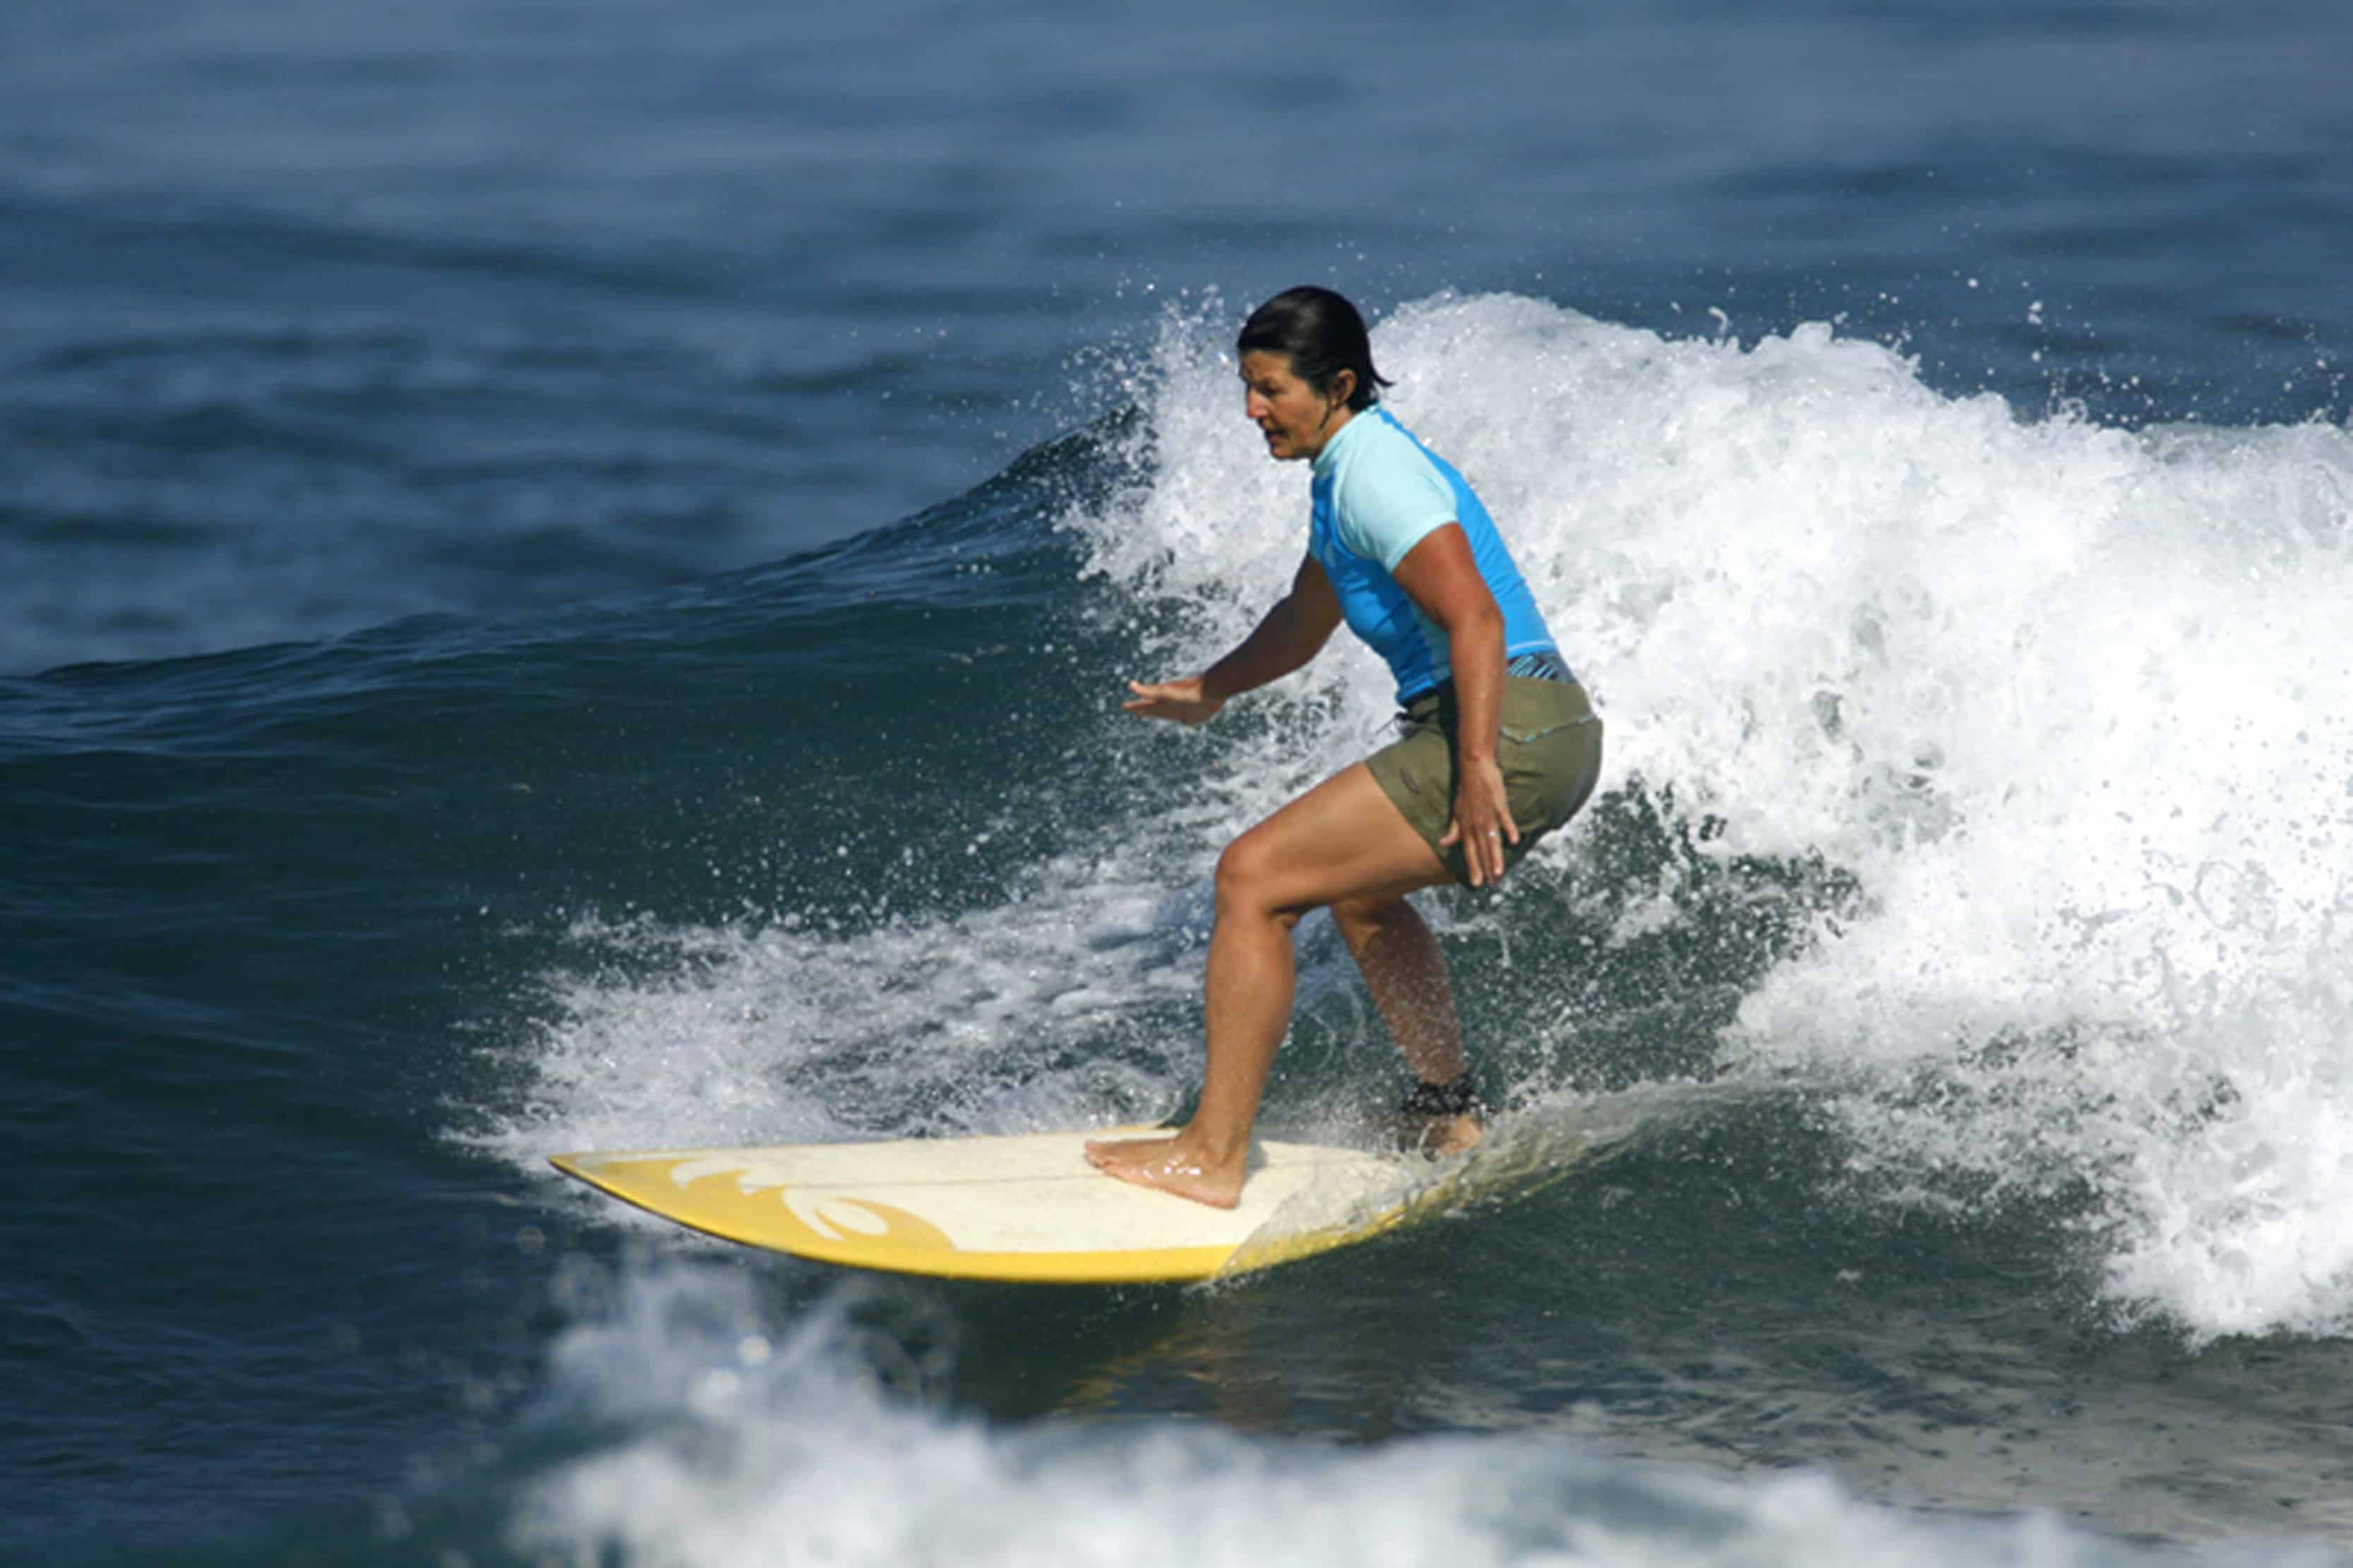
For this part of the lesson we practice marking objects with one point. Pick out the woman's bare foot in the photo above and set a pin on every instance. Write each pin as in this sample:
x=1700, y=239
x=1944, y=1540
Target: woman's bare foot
x=1170, y=1166
x=1439, y=1119
x=1435, y=1136
x=1453, y=1134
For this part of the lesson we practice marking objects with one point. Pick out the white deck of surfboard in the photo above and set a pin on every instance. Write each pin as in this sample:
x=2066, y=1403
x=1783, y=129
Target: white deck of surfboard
x=1027, y=1206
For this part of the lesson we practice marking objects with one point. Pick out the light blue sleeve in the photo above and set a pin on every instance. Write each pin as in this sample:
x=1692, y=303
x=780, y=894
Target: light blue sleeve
x=1390, y=501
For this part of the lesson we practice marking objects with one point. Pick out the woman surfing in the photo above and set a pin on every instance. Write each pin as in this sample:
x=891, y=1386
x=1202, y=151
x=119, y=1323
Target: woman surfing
x=1499, y=746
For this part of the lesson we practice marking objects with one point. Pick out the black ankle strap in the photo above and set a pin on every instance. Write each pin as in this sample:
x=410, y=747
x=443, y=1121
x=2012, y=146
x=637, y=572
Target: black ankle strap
x=1457, y=1097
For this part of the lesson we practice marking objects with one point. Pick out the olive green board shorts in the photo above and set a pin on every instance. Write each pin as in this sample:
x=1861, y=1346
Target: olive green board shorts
x=1549, y=751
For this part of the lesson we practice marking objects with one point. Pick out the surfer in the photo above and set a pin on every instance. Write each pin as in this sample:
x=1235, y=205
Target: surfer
x=1498, y=745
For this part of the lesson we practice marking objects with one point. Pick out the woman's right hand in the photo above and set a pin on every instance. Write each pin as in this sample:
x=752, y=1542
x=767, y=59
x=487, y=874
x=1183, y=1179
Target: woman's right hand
x=1181, y=701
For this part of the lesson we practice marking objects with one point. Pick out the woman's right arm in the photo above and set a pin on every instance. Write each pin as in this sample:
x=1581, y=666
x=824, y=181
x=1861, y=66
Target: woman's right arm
x=1291, y=634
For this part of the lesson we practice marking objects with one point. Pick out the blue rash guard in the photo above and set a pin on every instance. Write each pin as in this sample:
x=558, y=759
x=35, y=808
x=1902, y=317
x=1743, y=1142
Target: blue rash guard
x=1377, y=493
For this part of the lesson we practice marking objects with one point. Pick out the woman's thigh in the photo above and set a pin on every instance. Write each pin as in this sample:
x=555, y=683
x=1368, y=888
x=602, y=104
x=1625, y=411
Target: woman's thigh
x=1346, y=838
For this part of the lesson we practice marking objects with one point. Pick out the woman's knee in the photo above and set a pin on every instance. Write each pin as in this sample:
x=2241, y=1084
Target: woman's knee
x=1361, y=920
x=1248, y=874
x=1245, y=870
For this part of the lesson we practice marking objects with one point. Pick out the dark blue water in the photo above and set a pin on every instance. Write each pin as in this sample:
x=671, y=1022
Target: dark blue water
x=564, y=574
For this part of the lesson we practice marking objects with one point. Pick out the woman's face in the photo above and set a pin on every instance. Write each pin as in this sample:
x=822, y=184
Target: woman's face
x=1297, y=419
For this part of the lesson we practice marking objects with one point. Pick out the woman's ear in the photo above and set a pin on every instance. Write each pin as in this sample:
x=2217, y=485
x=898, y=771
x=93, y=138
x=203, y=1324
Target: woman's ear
x=1342, y=387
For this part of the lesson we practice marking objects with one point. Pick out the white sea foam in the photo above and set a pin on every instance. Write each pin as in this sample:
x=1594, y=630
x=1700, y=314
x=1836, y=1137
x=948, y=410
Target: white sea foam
x=725, y=1438
x=771, y=1033
x=2072, y=702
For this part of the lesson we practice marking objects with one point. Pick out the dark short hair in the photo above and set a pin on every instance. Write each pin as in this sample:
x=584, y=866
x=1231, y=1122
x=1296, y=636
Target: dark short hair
x=1322, y=336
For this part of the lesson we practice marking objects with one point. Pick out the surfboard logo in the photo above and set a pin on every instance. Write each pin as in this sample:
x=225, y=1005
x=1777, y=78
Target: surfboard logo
x=831, y=1224
x=743, y=1199
x=832, y=1216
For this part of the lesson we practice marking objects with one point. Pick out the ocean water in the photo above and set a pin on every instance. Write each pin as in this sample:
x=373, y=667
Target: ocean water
x=566, y=574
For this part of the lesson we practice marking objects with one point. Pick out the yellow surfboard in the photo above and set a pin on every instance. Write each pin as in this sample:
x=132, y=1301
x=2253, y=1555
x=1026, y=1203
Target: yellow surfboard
x=1025, y=1207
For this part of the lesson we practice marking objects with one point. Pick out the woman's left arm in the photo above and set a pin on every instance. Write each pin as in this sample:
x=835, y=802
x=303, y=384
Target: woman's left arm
x=1439, y=575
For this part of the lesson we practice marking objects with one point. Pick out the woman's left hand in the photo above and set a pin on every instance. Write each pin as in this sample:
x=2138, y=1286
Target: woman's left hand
x=1482, y=821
